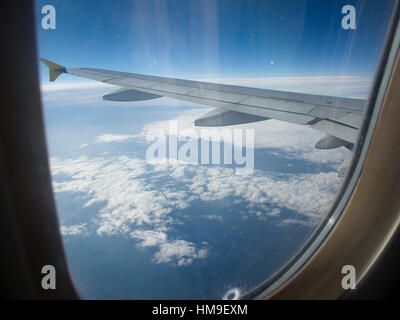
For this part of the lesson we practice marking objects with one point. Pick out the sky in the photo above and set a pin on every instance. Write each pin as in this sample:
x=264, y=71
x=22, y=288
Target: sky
x=215, y=39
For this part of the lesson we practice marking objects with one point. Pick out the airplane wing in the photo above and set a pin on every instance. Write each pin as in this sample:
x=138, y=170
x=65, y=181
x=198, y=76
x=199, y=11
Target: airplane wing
x=340, y=118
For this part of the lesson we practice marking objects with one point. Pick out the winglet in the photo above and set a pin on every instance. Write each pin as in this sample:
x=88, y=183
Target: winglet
x=54, y=69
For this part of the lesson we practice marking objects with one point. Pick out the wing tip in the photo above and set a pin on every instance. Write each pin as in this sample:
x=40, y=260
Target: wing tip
x=55, y=70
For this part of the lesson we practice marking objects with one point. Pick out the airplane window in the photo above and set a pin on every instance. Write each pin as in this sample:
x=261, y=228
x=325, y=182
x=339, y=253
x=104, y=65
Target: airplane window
x=197, y=146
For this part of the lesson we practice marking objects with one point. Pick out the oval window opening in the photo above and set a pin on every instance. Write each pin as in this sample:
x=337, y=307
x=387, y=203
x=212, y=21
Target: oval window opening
x=196, y=147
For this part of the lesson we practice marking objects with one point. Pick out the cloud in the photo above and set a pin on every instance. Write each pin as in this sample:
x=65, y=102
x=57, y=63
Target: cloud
x=76, y=94
x=273, y=212
x=131, y=202
x=77, y=86
x=138, y=198
x=178, y=252
x=150, y=238
x=74, y=230
x=182, y=251
x=114, y=137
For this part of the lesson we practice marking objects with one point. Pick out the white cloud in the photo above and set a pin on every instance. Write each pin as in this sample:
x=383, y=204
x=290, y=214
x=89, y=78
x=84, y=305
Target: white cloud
x=181, y=251
x=74, y=230
x=130, y=203
x=114, y=137
x=273, y=212
x=78, y=86
x=150, y=238
x=178, y=252
x=76, y=94
x=138, y=198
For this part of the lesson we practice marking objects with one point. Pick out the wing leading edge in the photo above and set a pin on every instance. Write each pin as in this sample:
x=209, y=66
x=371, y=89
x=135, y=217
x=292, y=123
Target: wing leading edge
x=340, y=118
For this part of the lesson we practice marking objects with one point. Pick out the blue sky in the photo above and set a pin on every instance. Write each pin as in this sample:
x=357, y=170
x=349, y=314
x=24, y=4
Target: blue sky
x=225, y=38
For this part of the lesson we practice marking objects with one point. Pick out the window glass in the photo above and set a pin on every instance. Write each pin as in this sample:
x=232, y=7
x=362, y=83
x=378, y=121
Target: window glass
x=153, y=206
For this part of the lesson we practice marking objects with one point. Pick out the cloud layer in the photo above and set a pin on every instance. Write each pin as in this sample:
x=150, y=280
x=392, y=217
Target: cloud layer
x=138, y=198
